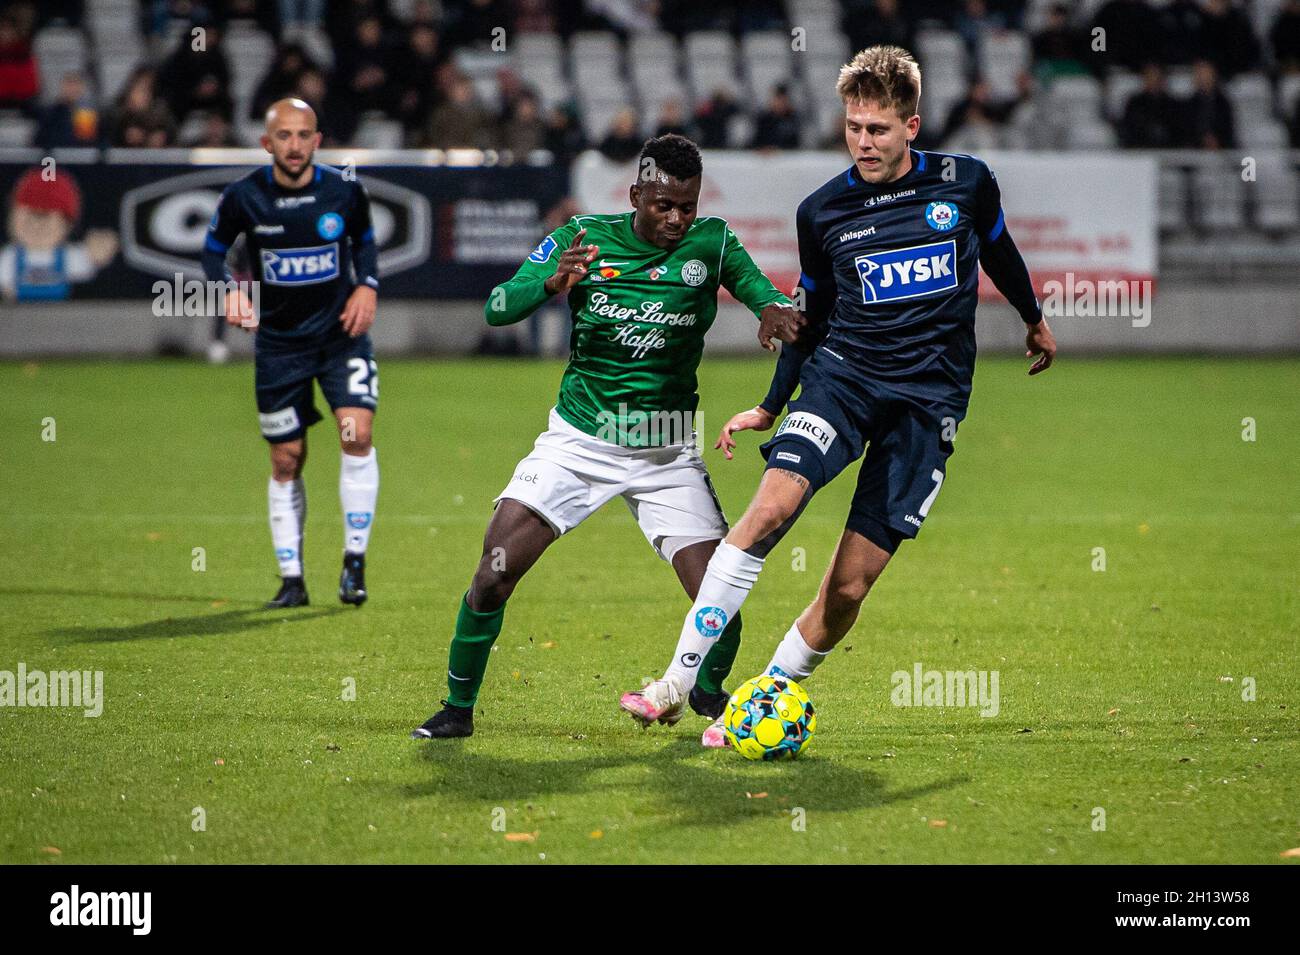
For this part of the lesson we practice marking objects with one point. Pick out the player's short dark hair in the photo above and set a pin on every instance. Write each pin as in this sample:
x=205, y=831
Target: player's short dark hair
x=676, y=155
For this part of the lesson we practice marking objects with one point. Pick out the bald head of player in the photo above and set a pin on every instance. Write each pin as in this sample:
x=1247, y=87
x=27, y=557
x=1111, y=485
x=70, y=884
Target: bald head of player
x=292, y=139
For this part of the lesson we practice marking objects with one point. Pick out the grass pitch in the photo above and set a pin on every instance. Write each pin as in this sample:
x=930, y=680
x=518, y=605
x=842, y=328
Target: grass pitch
x=1121, y=690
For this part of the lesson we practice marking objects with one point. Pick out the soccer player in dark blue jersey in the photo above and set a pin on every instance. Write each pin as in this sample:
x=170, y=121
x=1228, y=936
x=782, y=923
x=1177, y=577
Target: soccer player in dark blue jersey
x=303, y=223
x=890, y=252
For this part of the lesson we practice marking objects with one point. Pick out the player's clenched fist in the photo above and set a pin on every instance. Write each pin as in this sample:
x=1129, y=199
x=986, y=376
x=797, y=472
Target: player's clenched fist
x=572, y=266
x=239, y=310
x=779, y=321
x=359, y=311
x=755, y=419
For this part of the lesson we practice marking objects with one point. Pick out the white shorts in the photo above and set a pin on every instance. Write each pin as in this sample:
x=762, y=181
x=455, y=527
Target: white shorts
x=569, y=475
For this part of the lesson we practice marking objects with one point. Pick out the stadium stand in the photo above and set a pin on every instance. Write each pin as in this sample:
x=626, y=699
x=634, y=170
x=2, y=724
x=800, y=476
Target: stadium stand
x=517, y=76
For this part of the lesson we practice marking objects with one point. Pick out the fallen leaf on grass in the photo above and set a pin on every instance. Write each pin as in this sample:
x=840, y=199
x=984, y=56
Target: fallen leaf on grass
x=596, y=834
x=1112, y=711
x=52, y=850
x=1291, y=853
x=522, y=836
x=755, y=795
x=218, y=762
x=549, y=645
x=219, y=603
x=938, y=823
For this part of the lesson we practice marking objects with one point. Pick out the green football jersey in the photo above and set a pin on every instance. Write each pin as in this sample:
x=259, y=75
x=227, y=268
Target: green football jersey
x=639, y=319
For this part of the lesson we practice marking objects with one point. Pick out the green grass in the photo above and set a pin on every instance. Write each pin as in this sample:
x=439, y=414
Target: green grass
x=1119, y=689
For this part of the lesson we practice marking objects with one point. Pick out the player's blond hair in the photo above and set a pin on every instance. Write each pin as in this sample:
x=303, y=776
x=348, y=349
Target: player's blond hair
x=885, y=75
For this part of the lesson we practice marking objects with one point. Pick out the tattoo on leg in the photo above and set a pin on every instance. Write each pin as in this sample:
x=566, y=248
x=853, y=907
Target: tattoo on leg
x=765, y=545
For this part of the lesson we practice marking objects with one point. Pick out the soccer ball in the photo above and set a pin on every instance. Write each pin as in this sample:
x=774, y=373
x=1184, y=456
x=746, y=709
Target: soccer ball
x=769, y=717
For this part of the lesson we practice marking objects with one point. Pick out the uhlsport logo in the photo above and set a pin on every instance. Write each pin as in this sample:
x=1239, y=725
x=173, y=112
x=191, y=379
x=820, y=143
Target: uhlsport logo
x=359, y=519
x=307, y=266
x=899, y=274
x=813, y=427
x=710, y=621
x=941, y=216
x=330, y=225
x=694, y=272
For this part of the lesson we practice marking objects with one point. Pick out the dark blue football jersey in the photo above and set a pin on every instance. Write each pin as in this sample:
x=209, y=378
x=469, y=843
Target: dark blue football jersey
x=303, y=246
x=891, y=276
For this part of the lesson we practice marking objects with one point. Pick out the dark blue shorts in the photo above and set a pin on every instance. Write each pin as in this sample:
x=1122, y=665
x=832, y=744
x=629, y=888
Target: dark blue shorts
x=283, y=376
x=838, y=415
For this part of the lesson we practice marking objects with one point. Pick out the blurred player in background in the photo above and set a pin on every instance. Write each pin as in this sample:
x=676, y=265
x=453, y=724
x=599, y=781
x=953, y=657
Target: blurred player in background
x=299, y=218
x=643, y=288
x=890, y=251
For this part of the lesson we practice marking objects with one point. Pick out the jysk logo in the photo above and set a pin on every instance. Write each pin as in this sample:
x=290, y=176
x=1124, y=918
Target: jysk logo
x=543, y=251
x=908, y=273
x=359, y=519
x=300, y=266
x=710, y=621
x=941, y=216
x=813, y=427
x=330, y=225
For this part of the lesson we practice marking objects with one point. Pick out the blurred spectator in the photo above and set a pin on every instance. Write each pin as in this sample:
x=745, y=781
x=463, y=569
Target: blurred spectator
x=71, y=121
x=1285, y=37
x=290, y=60
x=1130, y=32
x=778, y=125
x=311, y=87
x=1152, y=116
x=1227, y=39
x=1209, y=114
x=1059, y=49
x=140, y=117
x=563, y=136
x=295, y=13
x=460, y=121
x=343, y=16
x=471, y=22
x=215, y=134
x=973, y=20
x=868, y=22
x=361, y=69
x=760, y=15
x=417, y=75
x=197, y=79
x=977, y=122
x=535, y=16
x=673, y=119
x=622, y=142
x=713, y=119
x=521, y=128
x=19, y=80
x=1181, y=25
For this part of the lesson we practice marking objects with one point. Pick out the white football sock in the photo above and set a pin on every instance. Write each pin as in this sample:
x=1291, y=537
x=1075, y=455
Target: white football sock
x=727, y=582
x=358, y=490
x=287, y=505
x=794, y=658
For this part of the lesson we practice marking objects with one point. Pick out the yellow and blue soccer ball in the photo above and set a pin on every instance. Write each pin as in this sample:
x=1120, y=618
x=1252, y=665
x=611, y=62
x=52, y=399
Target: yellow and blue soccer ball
x=769, y=717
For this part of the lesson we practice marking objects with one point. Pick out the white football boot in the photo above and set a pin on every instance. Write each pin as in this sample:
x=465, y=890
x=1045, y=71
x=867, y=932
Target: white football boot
x=715, y=737
x=662, y=701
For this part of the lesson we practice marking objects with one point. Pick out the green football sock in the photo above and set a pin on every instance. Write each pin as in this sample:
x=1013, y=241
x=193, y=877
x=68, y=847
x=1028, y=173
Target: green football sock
x=717, y=663
x=470, y=648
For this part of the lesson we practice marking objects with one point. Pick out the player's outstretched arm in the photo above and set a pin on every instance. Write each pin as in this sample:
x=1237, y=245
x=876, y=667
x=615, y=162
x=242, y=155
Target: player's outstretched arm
x=541, y=276
x=755, y=419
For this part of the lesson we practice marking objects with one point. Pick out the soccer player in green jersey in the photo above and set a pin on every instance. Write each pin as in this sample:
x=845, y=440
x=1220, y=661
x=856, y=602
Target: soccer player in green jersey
x=643, y=290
